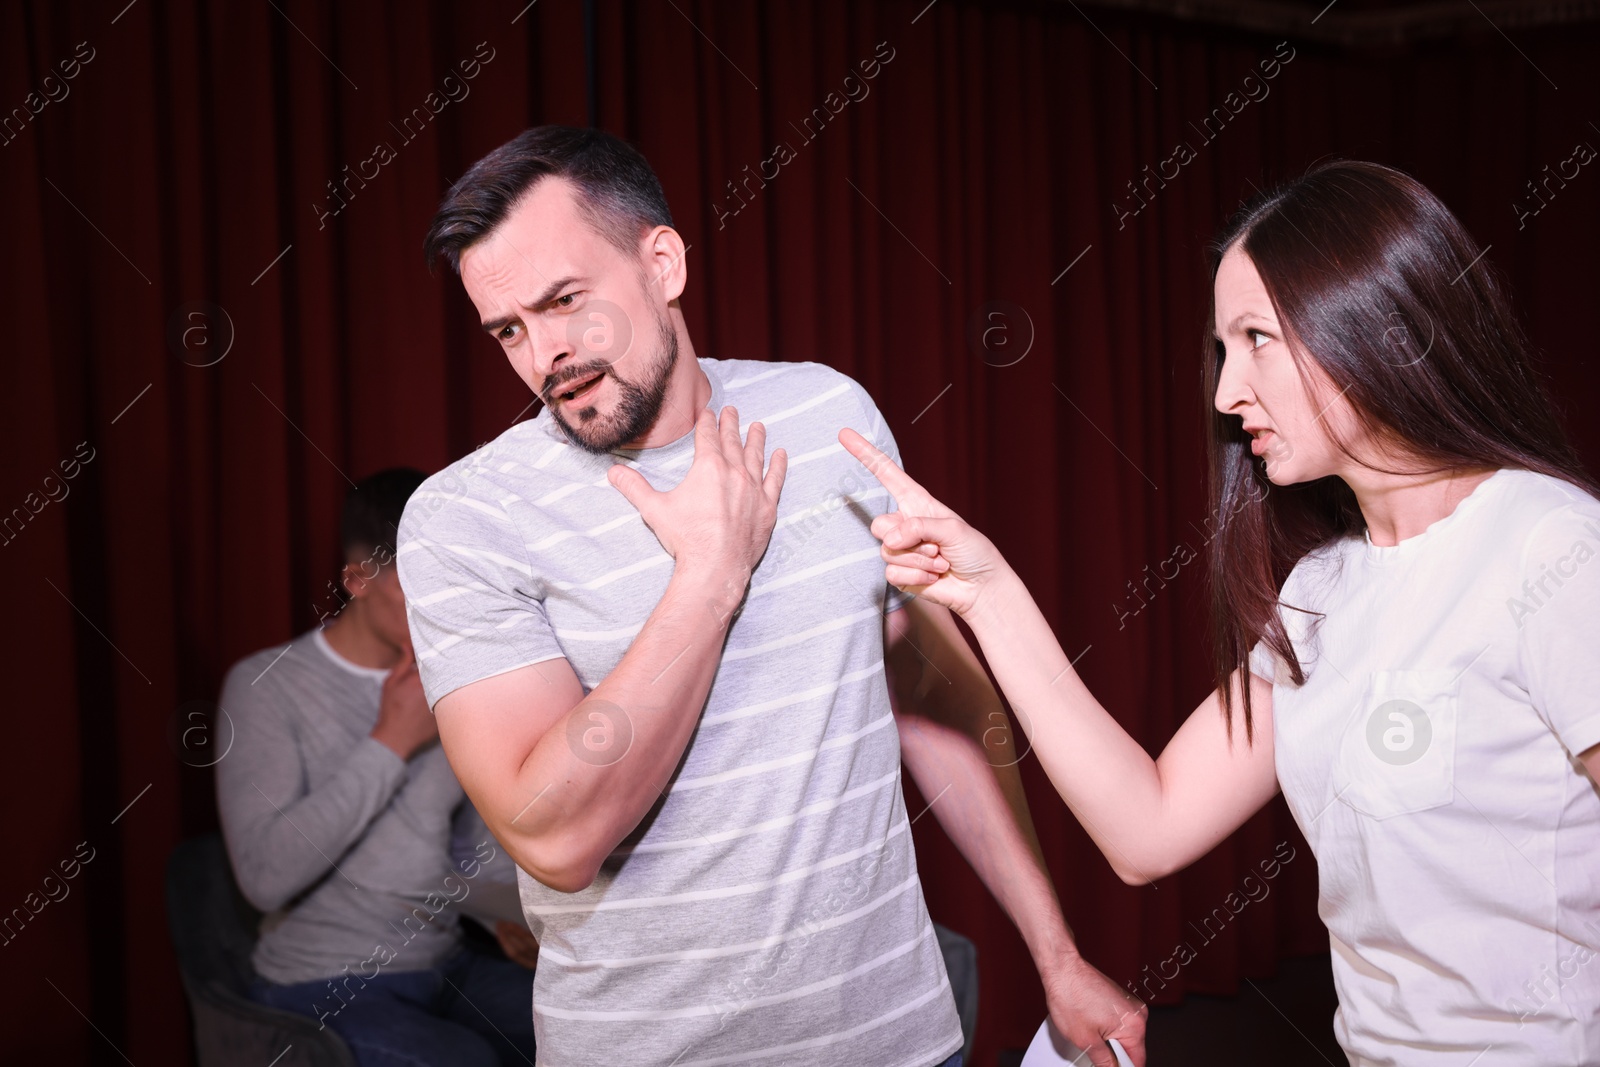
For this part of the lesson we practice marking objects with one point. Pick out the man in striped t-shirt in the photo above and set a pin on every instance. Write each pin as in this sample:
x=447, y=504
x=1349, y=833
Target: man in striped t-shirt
x=657, y=650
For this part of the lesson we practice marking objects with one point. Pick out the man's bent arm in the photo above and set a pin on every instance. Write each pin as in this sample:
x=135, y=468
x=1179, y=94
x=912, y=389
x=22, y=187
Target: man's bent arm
x=561, y=778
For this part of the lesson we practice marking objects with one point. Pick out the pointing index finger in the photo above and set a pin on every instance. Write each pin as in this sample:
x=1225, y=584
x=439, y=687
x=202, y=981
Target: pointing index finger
x=901, y=486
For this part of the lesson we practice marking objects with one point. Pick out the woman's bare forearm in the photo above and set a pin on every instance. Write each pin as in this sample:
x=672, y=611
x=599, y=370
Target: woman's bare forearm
x=1106, y=777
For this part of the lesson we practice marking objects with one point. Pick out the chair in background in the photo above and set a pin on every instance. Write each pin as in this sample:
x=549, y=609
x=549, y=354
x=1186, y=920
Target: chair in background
x=961, y=963
x=213, y=931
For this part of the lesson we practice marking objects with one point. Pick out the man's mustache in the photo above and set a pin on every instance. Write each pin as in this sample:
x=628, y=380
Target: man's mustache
x=555, y=389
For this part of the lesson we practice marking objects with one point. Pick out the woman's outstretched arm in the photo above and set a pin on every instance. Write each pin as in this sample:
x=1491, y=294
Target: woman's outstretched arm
x=1149, y=817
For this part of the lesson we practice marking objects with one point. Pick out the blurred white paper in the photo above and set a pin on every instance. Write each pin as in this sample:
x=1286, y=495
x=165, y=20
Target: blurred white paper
x=1050, y=1048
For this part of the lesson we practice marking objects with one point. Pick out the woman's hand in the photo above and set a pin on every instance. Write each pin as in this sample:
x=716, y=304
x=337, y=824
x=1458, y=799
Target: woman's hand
x=927, y=549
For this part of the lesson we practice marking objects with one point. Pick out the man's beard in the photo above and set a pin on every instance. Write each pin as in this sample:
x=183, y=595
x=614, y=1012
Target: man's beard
x=637, y=404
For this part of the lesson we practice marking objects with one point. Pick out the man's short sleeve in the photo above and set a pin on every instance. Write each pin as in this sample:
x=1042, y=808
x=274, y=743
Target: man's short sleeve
x=472, y=601
x=873, y=427
x=1559, y=634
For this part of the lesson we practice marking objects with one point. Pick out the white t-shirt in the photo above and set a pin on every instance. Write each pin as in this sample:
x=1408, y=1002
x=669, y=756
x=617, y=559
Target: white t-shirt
x=1431, y=761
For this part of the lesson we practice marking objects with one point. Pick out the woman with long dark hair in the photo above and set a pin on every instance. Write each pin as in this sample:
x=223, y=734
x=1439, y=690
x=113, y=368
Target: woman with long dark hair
x=1407, y=623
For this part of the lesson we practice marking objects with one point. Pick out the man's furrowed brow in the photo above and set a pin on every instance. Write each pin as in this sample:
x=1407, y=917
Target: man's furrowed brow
x=549, y=293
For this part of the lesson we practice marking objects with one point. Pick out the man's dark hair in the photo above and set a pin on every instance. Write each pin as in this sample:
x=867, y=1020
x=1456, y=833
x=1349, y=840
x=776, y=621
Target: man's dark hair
x=617, y=191
x=372, y=510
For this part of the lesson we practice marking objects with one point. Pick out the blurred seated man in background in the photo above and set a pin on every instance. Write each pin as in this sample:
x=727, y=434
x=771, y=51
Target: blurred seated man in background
x=494, y=908
x=337, y=805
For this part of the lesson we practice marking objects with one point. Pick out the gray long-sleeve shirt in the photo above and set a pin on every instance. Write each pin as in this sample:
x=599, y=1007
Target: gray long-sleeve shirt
x=344, y=845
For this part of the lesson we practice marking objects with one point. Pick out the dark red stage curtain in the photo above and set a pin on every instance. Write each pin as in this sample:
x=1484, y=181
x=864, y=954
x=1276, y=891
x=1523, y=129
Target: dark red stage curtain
x=993, y=233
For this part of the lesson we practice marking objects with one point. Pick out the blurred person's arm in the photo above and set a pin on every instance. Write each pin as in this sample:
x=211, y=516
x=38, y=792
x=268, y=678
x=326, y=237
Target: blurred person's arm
x=518, y=943
x=282, y=837
x=957, y=745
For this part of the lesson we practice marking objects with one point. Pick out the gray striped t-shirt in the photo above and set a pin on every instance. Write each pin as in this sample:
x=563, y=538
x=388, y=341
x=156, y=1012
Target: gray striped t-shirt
x=768, y=909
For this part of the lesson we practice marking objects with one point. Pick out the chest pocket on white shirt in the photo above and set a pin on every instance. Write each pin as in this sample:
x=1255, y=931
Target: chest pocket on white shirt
x=1397, y=753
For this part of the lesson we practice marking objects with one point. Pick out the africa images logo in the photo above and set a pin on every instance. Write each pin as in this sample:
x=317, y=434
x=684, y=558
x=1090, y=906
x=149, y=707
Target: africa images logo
x=1398, y=732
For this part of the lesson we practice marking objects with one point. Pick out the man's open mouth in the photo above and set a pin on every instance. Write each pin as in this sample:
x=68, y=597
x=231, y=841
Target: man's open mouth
x=580, y=388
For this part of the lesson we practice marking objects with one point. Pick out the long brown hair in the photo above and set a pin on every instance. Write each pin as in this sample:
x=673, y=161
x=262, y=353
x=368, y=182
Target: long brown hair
x=1376, y=282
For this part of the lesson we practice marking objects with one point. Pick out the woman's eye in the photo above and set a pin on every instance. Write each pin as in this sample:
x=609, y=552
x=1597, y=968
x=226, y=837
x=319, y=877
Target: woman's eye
x=1253, y=334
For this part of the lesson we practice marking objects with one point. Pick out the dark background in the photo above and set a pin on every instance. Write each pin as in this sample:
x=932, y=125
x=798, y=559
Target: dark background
x=956, y=240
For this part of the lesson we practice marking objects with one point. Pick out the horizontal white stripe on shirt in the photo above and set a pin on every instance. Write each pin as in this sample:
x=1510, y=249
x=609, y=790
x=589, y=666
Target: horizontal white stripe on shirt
x=701, y=1010
x=793, y=759
x=826, y=1039
x=811, y=572
x=649, y=563
x=593, y=531
x=789, y=700
x=751, y=379
x=789, y=640
x=682, y=955
x=700, y=840
x=422, y=544
x=721, y=892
